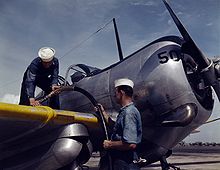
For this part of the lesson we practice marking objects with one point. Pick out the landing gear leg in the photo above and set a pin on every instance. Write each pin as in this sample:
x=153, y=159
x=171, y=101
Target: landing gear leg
x=166, y=166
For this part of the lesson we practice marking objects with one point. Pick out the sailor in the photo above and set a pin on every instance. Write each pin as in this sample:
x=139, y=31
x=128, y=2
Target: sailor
x=127, y=130
x=43, y=73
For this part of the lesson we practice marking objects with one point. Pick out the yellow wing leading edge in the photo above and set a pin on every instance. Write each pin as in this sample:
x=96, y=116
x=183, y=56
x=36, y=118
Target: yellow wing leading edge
x=45, y=114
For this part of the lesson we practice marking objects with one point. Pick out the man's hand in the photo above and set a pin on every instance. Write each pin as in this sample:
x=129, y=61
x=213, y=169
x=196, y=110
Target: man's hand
x=107, y=144
x=56, y=89
x=106, y=116
x=100, y=106
x=34, y=102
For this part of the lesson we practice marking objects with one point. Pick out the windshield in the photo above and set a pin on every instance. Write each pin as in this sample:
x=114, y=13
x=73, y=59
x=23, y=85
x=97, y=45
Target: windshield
x=77, y=72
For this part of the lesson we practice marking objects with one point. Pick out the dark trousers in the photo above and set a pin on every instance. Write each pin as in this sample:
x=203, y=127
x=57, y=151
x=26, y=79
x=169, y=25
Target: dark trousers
x=53, y=101
x=119, y=161
x=122, y=165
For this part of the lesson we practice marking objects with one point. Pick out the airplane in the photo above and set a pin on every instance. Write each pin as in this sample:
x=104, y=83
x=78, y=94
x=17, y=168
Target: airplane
x=174, y=86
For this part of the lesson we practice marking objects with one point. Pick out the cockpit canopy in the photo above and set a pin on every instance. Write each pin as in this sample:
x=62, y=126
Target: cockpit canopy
x=77, y=72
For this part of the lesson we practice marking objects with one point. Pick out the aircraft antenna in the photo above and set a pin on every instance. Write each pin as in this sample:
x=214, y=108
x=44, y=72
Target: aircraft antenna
x=118, y=41
x=83, y=41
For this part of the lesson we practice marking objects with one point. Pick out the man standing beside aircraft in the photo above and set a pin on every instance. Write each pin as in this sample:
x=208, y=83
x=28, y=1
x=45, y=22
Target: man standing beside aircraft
x=42, y=72
x=127, y=130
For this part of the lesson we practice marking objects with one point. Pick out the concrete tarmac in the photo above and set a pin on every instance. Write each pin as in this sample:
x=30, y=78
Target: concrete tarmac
x=185, y=161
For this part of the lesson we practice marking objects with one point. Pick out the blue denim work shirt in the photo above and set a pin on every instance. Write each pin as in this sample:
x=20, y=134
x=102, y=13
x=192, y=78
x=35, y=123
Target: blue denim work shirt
x=128, y=126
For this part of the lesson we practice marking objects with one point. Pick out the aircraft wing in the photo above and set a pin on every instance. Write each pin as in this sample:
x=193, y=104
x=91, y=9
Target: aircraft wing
x=23, y=128
x=17, y=120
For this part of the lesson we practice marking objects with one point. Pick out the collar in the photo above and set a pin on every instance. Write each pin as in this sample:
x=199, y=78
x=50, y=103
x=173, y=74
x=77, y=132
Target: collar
x=123, y=108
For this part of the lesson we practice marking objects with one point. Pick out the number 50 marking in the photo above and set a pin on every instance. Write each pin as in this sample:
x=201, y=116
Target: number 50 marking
x=165, y=56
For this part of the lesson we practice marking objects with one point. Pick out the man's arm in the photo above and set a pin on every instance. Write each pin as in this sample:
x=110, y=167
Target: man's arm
x=31, y=85
x=118, y=145
x=54, y=82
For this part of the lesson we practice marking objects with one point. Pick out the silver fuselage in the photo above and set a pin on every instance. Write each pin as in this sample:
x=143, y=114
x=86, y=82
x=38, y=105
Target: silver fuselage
x=161, y=86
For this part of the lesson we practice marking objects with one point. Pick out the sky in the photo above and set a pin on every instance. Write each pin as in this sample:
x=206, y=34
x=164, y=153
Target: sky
x=70, y=27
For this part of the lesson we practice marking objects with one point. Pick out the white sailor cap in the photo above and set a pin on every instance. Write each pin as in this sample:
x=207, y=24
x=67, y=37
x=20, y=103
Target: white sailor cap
x=46, y=54
x=124, y=82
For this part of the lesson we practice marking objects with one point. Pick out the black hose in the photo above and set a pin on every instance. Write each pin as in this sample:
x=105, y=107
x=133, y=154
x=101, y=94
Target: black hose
x=95, y=104
x=100, y=113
